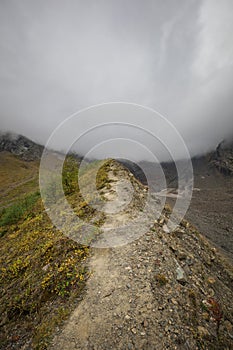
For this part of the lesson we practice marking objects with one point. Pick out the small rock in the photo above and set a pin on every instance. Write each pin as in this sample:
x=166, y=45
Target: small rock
x=161, y=221
x=45, y=268
x=181, y=255
x=185, y=224
x=134, y=331
x=166, y=229
x=211, y=280
x=180, y=232
x=211, y=292
x=180, y=275
x=189, y=261
x=128, y=268
x=203, y=332
x=127, y=317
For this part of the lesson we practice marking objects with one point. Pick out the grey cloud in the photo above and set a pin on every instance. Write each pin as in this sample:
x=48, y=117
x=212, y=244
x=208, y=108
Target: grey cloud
x=57, y=57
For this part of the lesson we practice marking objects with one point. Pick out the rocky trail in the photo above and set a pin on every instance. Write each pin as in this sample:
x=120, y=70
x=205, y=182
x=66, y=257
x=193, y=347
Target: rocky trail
x=159, y=291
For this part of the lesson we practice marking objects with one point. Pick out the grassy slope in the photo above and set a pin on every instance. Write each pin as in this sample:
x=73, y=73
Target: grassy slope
x=17, y=178
x=43, y=272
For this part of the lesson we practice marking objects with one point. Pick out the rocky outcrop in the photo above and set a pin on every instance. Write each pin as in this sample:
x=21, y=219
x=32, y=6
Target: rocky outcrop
x=20, y=146
x=222, y=158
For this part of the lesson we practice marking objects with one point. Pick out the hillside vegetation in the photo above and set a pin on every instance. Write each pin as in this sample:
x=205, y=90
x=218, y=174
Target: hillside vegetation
x=43, y=273
x=17, y=178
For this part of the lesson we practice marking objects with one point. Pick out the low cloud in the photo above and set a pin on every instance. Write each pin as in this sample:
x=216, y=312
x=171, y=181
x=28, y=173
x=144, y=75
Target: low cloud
x=57, y=57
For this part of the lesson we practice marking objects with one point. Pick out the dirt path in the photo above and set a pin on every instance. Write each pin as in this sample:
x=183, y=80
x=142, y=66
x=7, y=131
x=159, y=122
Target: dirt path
x=115, y=310
x=106, y=317
x=138, y=295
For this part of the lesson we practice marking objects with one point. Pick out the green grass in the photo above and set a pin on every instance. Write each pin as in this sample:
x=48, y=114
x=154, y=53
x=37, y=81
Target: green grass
x=16, y=211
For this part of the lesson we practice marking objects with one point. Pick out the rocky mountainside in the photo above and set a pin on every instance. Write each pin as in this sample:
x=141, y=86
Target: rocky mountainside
x=222, y=158
x=211, y=205
x=161, y=291
x=20, y=146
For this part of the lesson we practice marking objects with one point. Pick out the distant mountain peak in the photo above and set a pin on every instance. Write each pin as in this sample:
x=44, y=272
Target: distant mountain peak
x=222, y=158
x=20, y=146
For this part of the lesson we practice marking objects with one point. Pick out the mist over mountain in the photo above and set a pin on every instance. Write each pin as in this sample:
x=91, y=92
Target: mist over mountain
x=176, y=57
x=20, y=146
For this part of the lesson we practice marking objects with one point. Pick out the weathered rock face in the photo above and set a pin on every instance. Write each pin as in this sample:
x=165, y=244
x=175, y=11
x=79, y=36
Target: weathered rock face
x=20, y=146
x=222, y=158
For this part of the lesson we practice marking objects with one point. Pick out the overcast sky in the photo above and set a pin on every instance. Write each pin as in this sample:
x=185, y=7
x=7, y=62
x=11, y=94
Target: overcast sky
x=175, y=56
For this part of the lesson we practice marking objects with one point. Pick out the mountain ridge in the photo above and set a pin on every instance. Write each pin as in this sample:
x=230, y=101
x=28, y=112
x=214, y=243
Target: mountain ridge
x=20, y=146
x=160, y=291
